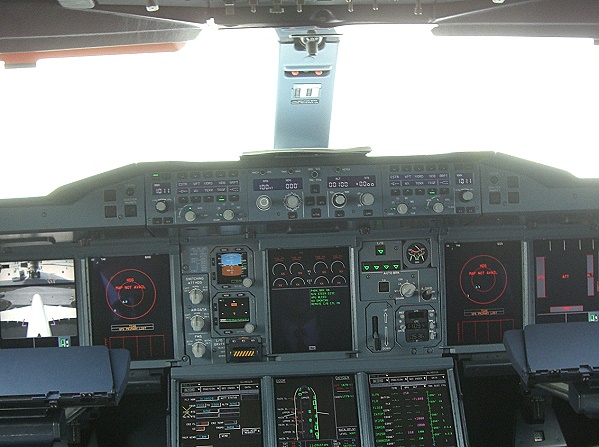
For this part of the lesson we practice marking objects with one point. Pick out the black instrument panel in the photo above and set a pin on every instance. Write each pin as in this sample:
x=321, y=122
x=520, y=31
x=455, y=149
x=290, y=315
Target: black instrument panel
x=273, y=291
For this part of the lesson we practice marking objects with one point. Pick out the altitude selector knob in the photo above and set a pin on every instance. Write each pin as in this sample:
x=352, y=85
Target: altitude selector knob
x=292, y=201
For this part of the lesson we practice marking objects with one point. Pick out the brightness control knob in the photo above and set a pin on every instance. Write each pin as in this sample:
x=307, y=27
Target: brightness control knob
x=292, y=202
x=161, y=206
x=466, y=195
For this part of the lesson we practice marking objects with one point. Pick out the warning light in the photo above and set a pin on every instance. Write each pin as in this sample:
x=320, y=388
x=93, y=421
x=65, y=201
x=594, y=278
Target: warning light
x=318, y=72
x=295, y=73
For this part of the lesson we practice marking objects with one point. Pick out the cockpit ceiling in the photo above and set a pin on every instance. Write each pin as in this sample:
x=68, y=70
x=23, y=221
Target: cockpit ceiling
x=46, y=25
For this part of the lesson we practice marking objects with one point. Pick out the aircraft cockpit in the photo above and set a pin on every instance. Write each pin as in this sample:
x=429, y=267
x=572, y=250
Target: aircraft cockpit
x=293, y=295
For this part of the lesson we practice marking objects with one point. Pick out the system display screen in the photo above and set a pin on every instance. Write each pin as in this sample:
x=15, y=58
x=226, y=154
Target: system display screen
x=310, y=304
x=131, y=305
x=220, y=413
x=317, y=411
x=38, y=306
x=566, y=285
x=412, y=409
x=484, y=291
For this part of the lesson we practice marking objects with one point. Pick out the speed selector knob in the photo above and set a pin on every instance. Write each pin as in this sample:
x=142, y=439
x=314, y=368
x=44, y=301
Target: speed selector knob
x=196, y=296
x=198, y=349
x=367, y=199
x=197, y=323
x=292, y=202
x=407, y=289
x=161, y=206
x=263, y=203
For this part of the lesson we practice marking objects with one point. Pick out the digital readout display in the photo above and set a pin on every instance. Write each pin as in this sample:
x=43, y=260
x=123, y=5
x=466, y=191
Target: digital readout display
x=161, y=189
x=351, y=181
x=278, y=184
x=464, y=178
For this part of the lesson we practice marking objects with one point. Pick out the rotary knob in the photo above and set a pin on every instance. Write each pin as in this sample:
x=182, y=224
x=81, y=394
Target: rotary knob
x=339, y=200
x=198, y=349
x=402, y=208
x=263, y=203
x=367, y=199
x=197, y=323
x=196, y=296
x=407, y=289
x=249, y=328
x=292, y=202
x=228, y=214
x=190, y=216
x=161, y=206
x=438, y=207
x=466, y=195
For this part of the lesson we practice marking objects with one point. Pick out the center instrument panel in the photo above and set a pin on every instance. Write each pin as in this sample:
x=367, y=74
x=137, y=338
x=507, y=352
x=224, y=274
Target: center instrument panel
x=303, y=300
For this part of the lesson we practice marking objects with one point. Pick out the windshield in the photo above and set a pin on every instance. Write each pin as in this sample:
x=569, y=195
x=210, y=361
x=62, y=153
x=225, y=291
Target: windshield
x=399, y=90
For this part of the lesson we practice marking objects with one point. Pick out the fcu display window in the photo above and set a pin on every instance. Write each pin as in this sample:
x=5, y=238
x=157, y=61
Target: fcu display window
x=131, y=305
x=484, y=291
x=566, y=287
x=316, y=411
x=412, y=409
x=220, y=413
x=38, y=305
x=310, y=303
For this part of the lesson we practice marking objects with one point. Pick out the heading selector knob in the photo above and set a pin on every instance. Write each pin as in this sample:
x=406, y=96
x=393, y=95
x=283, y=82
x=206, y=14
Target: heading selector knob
x=292, y=201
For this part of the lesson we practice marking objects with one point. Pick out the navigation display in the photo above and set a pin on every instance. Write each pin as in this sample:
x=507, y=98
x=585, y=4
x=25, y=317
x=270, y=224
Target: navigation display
x=131, y=305
x=566, y=281
x=310, y=305
x=220, y=413
x=38, y=305
x=317, y=411
x=484, y=291
x=412, y=409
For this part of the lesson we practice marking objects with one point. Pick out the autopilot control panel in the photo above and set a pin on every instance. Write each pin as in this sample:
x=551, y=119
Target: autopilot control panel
x=302, y=301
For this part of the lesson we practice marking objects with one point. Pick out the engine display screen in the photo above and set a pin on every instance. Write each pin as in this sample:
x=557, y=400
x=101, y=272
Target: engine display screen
x=412, y=409
x=317, y=411
x=484, y=291
x=220, y=413
x=38, y=306
x=131, y=305
x=566, y=287
x=310, y=304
